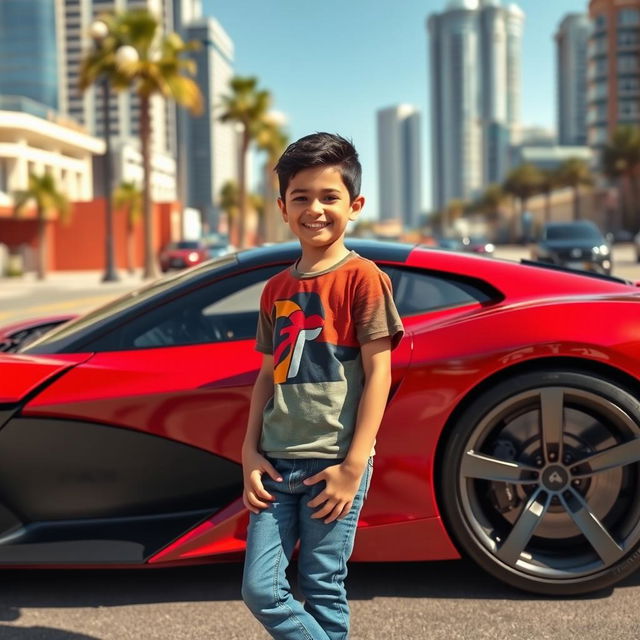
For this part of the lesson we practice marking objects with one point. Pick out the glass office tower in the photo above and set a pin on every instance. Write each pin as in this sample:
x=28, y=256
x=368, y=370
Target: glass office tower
x=28, y=54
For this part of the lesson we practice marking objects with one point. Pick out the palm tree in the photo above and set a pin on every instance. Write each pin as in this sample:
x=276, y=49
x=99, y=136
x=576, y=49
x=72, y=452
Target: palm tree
x=273, y=140
x=452, y=211
x=573, y=173
x=522, y=183
x=228, y=201
x=490, y=201
x=620, y=162
x=43, y=191
x=550, y=180
x=156, y=68
x=247, y=106
x=128, y=198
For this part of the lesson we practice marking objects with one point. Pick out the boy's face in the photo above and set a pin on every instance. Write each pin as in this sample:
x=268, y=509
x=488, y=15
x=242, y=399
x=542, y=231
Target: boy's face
x=317, y=206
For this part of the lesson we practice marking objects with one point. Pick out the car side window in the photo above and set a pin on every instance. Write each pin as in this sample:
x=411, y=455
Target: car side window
x=420, y=292
x=223, y=311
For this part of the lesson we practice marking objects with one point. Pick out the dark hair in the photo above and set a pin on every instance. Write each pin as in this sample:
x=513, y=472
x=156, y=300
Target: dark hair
x=318, y=150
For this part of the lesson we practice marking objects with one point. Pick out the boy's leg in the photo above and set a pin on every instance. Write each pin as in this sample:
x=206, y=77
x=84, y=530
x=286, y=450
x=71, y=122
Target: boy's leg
x=271, y=538
x=322, y=560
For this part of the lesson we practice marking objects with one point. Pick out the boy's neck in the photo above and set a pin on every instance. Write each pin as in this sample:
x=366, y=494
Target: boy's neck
x=320, y=258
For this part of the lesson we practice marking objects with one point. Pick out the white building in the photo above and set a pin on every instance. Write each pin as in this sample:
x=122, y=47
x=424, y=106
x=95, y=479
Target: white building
x=74, y=19
x=475, y=53
x=572, y=40
x=399, y=171
x=33, y=140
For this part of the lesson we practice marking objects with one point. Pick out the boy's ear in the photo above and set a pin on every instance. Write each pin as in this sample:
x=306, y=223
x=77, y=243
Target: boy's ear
x=283, y=209
x=356, y=207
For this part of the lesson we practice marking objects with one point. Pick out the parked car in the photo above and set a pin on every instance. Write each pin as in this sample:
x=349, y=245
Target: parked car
x=478, y=244
x=449, y=243
x=576, y=245
x=512, y=430
x=16, y=335
x=186, y=253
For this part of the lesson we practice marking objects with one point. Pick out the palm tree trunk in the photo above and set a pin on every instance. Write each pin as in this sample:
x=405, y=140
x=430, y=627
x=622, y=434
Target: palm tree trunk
x=635, y=202
x=242, y=180
x=130, y=267
x=42, y=250
x=547, y=207
x=150, y=268
x=576, y=203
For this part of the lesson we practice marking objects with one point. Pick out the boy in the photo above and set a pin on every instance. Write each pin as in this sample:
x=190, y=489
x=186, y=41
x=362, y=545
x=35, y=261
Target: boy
x=327, y=326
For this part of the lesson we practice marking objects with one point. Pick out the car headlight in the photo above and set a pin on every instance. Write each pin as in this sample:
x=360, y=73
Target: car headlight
x=192, y=257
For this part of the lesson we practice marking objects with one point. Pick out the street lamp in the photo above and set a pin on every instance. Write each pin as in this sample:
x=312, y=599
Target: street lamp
x=98, y=31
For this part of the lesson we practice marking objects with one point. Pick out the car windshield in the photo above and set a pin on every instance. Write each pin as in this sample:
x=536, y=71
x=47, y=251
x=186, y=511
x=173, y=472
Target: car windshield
x=573, y=232
x=185, y=244
x=129, y=299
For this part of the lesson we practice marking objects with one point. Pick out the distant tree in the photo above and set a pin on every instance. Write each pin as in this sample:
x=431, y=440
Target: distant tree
x=575, y=173
x=247, y=106
x=271, y=139
x=620, y=161
x=128, y=198
x=549, y=182
x=157, y=67
x=522, y=183
x=42, y=192
x=490, y=201
x=229, y=201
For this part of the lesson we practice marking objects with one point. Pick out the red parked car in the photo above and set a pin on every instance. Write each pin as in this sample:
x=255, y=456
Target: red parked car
x=183, y=254
x=512, y=431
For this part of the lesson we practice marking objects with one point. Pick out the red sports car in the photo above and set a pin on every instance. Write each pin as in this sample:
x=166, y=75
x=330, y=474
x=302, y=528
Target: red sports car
x=183, y=254
x=512, y=431
x=16, y=335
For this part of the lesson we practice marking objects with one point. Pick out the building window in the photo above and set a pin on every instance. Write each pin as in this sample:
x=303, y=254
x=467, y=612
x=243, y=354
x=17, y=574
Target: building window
x=628, y=17
x=627, y=64
x=600, y=22
x=628, y=85
x=627, y=108
x=628, y=38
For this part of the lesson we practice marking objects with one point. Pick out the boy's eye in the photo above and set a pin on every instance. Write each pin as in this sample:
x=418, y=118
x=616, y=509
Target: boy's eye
x=299, y=199
x=331, y=198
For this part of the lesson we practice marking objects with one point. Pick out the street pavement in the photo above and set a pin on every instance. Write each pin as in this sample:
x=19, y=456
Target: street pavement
x=414, y=601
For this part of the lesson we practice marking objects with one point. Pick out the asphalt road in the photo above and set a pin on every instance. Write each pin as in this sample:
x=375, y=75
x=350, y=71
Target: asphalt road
x=431, y=601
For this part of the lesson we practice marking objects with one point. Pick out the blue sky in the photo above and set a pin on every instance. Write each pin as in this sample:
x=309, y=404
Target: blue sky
x=330, y=65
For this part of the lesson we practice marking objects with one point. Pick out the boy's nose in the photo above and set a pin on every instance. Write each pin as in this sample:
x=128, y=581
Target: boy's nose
x=316, y=206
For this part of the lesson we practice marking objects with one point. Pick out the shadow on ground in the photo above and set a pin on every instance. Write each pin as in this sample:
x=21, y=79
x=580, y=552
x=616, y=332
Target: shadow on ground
x=110, y=588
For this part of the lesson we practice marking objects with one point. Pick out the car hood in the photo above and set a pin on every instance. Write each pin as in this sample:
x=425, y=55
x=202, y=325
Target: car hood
x=20, y=375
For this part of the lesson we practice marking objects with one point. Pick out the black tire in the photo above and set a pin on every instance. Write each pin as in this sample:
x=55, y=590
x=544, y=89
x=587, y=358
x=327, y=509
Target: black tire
x=544, y=524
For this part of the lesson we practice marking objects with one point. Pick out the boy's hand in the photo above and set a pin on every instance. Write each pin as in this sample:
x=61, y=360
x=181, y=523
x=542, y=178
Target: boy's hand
x=342, y=485
x=254, y=495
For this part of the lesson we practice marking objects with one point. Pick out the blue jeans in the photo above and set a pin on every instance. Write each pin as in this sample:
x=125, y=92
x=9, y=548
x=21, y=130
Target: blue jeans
x=322, y=557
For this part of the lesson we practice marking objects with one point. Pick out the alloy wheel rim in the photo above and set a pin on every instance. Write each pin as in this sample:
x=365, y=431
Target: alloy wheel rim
x=548, y=483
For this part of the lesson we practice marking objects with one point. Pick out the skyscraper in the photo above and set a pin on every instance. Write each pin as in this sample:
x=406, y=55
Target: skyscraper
x=28, y=55
x=475, y=52
x=399, y=173
x=211, y=146
x=572, y=39
x=614, y=68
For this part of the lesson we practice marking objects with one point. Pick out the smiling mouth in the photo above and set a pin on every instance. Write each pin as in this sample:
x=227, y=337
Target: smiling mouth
x=315, y=225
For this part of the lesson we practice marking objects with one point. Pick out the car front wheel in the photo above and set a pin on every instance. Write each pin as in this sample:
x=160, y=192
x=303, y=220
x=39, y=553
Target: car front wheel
x=541, y=482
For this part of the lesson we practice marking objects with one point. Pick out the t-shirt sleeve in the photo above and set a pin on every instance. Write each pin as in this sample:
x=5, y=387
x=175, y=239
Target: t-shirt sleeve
x=264, y=334
x=374, y=310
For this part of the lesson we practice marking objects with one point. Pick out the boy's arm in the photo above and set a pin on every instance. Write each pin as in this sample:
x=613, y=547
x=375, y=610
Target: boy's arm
x=343, y=480
x=254, y=464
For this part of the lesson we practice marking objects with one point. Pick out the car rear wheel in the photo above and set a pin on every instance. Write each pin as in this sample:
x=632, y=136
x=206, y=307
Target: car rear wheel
x=541, y=482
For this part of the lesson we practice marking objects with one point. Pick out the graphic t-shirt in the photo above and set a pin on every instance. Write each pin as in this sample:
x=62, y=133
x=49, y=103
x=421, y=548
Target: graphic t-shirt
x=313, y=324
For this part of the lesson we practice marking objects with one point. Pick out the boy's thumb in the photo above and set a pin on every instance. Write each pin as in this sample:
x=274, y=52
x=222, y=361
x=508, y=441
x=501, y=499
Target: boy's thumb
x=273, y=474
